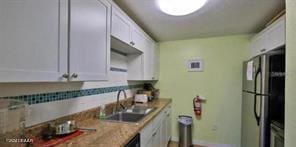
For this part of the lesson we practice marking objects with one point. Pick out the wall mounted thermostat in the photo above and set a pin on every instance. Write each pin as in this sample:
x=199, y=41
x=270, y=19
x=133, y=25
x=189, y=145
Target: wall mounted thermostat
x=195, y=65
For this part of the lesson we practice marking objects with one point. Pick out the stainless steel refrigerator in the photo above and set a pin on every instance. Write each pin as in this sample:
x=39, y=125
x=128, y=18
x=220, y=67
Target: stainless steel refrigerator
x=257, y=90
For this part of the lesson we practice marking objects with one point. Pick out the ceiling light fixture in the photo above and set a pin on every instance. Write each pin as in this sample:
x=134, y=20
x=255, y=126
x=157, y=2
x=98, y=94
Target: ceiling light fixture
x=180, y=7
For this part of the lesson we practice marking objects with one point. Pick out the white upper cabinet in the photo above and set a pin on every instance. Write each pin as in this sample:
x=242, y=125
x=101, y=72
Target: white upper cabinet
x=155, y=64
x=33, y=40
x=135, y=67
x=89, y=40
x=258, y=44
x=144, y=66
x=36, y=44
x=121, y=27
x=148, y=60
x=143, y=63
x=276, y=35
x=124, y=30
x=151, y=60
x=270, y=38
x=138, y=39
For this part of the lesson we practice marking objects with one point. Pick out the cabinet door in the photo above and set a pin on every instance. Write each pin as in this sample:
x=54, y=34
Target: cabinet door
x=155, y=62
x=258, y=44
x=276, y=35
x=169, y=123
x=157, y=137
x=270, y=38
x=135, y=67
x=138, y=39
x=149, y=143
x=33, y=40
x=148, y=60
x=164, y=130
x=89, y=40
x=121, y=27
x=151, y=61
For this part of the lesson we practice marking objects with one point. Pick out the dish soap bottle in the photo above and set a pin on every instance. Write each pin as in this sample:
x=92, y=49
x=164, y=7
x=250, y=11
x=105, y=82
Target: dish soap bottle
x=102, y=114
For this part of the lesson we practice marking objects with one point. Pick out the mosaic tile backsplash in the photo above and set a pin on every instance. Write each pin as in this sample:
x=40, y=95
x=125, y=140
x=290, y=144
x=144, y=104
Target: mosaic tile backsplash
x=63, y=95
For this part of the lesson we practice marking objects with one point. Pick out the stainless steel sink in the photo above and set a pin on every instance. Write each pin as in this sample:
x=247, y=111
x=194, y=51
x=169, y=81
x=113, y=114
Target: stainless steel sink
x=132, y=114
x=125, y=117
x=139, y=109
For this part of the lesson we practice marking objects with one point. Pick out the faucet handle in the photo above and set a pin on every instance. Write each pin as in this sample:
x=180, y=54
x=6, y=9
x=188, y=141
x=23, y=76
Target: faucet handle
x=122, y=106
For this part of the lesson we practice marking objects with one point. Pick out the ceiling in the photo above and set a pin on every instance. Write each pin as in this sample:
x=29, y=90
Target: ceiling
x=216, y=18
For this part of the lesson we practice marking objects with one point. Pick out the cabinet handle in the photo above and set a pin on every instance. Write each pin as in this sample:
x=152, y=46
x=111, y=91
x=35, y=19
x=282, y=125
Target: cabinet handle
x=66, y=76
x=74, y=75
x=153, y=134
x=263, y=50
x=132, y=43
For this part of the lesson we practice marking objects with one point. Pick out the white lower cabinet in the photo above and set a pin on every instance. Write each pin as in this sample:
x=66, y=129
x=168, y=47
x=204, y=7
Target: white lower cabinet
x=169, y=123
x=157, y=133
x=164, y=131
x=166, y=126
x=157, y=137
x=149, y=143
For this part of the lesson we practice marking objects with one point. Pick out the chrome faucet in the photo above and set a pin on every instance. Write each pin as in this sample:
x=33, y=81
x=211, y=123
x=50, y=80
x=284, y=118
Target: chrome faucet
x=118, y=95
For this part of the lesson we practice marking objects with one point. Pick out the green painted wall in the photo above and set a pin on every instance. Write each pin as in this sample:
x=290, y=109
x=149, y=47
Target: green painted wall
x=290, y=123
x=220, y=83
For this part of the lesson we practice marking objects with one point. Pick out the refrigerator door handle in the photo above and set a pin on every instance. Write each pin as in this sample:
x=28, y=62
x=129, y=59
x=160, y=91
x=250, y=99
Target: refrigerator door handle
x=257, y=117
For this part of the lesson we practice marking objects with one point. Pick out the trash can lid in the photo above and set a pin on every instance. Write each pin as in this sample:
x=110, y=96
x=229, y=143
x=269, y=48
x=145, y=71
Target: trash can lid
x=185, y=119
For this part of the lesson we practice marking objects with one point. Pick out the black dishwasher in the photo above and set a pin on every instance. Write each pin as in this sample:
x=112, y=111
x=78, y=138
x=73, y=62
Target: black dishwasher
x=135, y=142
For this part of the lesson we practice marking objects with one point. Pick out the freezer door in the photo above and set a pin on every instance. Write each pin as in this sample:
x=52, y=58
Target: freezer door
x=250, y=130
x=249, y=85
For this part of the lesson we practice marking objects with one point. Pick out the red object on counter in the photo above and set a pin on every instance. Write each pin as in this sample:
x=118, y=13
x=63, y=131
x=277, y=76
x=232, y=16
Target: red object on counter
x=55, y=141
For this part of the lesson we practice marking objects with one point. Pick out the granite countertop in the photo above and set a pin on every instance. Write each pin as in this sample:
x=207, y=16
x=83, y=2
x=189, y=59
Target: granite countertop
x=113, y=134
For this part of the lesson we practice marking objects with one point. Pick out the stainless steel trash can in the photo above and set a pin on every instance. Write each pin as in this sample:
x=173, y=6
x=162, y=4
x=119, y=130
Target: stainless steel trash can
x=185, y=133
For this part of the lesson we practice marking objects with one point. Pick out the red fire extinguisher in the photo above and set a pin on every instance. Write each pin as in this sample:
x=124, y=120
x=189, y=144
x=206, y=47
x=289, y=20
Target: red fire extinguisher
x=197, y=106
